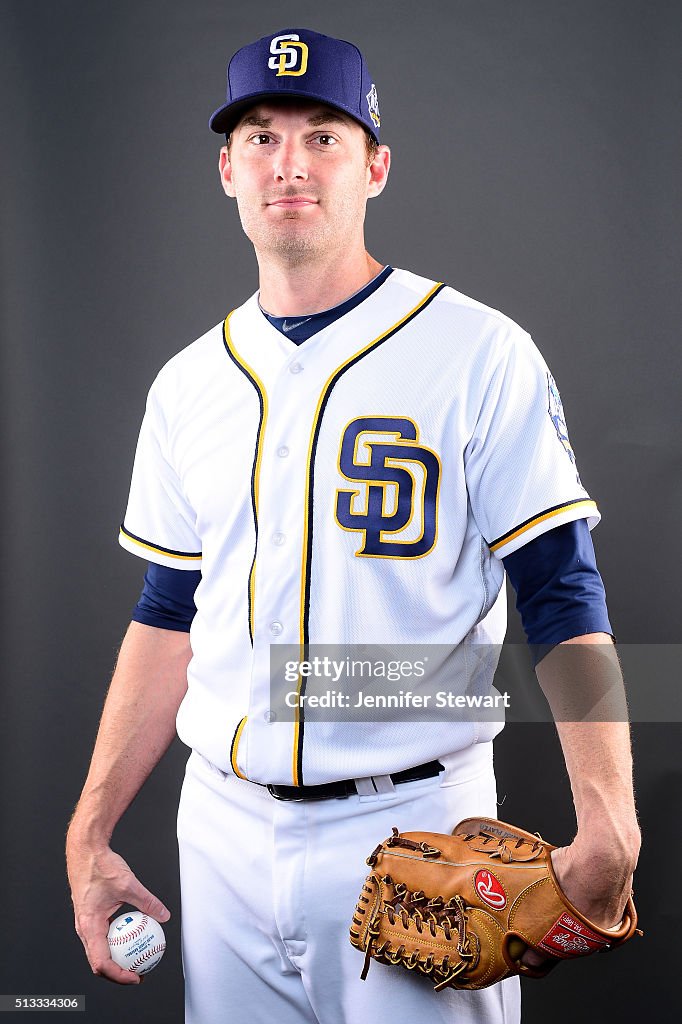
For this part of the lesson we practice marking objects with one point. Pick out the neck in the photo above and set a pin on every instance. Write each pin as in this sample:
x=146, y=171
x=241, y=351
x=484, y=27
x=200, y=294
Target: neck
x=311, y=287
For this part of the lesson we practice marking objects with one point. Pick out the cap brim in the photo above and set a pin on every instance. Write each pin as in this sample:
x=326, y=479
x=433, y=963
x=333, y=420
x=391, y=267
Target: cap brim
x=224, y=119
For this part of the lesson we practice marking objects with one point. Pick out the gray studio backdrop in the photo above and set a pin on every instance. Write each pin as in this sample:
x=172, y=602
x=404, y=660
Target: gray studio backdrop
x=536, y=167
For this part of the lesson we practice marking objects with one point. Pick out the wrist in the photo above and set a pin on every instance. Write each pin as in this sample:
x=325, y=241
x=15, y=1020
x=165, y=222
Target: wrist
x=608, y=818
x=611, y=842
x=606, y=806
x=88, y=831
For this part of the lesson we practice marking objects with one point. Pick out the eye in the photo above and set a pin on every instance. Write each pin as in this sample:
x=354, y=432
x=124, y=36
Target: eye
x=326, y=140
x=261, y=139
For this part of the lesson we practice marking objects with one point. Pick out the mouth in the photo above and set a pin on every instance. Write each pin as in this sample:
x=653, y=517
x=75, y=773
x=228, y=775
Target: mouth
x=293, y=202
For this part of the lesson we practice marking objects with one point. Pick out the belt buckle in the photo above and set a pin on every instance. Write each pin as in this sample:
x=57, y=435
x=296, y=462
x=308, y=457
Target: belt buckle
x=272, y=790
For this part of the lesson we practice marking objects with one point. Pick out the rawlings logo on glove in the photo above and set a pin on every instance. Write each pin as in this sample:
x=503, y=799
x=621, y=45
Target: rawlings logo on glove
x=463, y=908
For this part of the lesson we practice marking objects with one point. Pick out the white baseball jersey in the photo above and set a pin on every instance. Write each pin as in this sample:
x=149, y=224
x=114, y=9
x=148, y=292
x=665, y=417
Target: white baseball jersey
x=360, y=488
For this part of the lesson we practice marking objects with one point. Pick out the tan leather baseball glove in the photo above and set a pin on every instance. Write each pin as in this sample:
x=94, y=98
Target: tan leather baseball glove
x=463, y=908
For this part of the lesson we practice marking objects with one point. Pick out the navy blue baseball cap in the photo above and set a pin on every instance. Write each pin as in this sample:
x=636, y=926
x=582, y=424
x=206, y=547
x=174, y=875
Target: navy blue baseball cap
x=299, y=62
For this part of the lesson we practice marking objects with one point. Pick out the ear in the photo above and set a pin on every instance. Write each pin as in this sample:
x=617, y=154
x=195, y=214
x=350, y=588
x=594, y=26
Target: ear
x=378, y=172
x=225, y=168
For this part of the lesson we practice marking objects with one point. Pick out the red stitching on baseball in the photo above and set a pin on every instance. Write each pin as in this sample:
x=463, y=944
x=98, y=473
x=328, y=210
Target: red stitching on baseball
x=145, y=956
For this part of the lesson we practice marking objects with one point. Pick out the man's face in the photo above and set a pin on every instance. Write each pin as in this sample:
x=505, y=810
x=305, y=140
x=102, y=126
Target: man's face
x=301, y=177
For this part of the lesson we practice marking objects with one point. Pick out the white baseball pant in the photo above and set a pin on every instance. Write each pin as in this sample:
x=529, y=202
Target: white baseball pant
x=268, y=892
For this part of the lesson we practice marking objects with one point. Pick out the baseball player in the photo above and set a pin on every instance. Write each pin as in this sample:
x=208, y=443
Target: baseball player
x=355, y=455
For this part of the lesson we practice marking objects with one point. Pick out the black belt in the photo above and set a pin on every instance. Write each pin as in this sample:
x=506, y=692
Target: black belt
x=346, y=787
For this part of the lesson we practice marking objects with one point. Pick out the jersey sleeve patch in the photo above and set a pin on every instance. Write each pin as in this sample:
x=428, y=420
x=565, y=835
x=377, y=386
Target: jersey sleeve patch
x=521, y=473
x=556, y=414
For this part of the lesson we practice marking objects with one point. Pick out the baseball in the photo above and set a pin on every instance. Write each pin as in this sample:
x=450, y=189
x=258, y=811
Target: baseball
x=136, y=941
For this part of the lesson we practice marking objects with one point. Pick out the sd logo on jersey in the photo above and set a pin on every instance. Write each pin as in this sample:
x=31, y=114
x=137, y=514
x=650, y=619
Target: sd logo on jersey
x=290, y=55
x=396, y=507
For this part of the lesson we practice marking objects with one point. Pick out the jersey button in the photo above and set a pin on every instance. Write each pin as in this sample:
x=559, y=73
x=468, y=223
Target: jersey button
x=278, y=539
x=295, y=368
x=276, y=628
x=283, y=451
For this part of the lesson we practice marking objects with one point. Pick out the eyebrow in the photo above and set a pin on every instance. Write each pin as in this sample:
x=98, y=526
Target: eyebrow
x=327, y=117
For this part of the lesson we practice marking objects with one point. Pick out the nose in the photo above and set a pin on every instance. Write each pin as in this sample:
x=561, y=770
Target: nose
x=291, y=162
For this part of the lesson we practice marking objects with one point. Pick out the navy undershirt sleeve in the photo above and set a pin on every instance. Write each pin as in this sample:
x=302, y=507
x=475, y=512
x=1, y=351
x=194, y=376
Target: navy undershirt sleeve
x=559, y=592
x=167, y=599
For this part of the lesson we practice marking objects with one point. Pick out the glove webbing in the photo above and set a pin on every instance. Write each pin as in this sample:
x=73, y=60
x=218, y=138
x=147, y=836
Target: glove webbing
x=433, y=913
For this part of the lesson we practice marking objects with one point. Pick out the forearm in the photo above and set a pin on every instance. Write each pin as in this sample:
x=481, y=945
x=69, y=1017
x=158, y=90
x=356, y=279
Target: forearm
x=583, y=684
x=136, y=728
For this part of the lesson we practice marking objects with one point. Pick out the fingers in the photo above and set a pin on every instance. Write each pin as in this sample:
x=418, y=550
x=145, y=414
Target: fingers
x=93, y=934
x=532, y=959
x=519, y=952
x=146, y=901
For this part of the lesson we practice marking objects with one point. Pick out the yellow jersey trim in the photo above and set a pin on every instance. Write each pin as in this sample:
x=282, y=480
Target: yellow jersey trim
x=148, y=546
x=543, y=517
x=251, y=374
x=297, y=753
x=234, y=748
